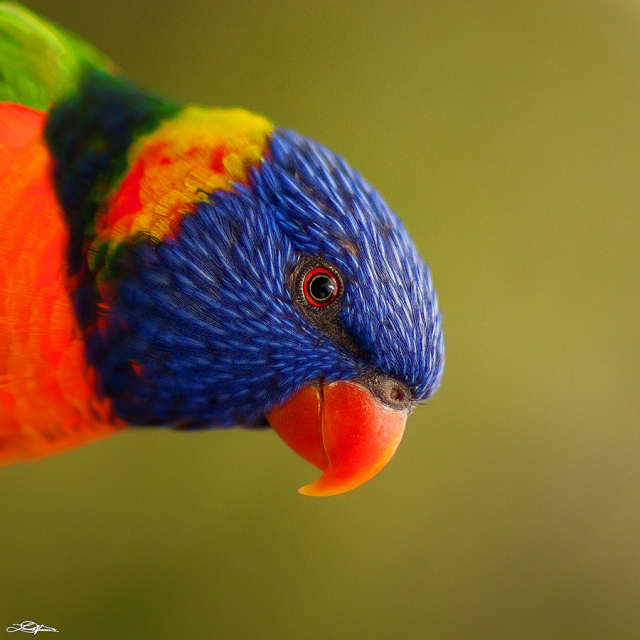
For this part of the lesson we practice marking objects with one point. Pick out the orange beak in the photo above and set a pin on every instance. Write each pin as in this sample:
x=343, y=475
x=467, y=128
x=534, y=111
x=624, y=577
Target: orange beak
x=342, y=429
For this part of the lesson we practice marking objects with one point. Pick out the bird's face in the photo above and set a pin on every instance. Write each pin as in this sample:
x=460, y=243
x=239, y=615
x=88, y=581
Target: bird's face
x=298, y=298
x=361, y=284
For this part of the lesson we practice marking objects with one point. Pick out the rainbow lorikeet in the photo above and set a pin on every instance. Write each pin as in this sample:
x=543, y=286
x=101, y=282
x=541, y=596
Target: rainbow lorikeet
x=174, y=265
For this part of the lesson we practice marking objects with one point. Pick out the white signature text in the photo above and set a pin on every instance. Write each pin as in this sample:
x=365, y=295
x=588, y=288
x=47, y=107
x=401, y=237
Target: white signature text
x=29, y=627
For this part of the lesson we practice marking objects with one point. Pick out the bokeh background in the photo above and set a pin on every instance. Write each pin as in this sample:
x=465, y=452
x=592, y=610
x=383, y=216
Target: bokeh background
x=507, y=137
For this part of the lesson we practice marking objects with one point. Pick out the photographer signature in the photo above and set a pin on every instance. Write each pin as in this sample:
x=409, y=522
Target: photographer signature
x=29, y=627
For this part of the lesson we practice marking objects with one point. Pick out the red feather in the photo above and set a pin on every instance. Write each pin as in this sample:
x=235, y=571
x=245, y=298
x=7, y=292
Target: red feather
x=47, y=402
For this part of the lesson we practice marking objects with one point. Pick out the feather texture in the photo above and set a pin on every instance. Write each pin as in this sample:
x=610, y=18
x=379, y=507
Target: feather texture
x=151, y=257
x=47, y=399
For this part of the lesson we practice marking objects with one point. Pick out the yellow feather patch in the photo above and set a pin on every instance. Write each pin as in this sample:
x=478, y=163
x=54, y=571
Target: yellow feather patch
x=186, y=158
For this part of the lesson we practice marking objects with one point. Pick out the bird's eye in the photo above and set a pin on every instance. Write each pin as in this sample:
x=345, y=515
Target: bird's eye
x=321, y=287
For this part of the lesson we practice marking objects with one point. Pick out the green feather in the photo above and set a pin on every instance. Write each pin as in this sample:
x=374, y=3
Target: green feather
x=41, y=63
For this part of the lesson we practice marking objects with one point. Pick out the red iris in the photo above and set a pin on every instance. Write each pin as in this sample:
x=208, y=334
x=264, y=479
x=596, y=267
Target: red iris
x=321, y=287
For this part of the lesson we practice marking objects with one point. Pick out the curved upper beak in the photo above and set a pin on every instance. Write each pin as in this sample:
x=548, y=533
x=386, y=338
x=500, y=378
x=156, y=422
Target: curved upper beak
x=342, y=429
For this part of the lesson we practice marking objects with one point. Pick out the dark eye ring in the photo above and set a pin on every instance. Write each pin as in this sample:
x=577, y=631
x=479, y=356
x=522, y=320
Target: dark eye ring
x=320, y=287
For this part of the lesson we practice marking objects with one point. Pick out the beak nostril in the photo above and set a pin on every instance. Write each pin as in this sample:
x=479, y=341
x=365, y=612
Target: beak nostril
x=396, y=394
x=390, y=391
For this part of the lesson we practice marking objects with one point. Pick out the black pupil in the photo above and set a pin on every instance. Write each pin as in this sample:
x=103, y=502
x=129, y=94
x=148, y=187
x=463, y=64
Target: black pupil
x=322, y=288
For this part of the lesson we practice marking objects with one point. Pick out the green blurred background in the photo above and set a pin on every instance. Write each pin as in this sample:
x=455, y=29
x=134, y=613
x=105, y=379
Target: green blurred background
x=507, y=137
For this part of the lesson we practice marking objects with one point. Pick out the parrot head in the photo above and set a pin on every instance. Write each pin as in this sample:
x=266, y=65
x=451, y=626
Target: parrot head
x=295, y=299
x=195, y=268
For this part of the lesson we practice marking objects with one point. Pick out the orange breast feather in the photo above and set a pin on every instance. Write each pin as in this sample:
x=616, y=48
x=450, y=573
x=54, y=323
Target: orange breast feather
x=47, y=402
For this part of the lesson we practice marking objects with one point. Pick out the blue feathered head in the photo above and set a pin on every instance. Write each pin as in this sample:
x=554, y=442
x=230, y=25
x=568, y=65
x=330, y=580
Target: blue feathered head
x=213, y=318
x=298, y=279
x=292, y=296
